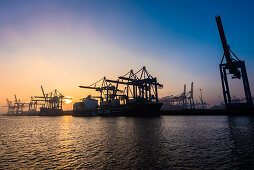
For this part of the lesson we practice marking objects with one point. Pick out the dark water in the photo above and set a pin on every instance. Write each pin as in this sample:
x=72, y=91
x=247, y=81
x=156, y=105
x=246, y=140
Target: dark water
x=169, y=142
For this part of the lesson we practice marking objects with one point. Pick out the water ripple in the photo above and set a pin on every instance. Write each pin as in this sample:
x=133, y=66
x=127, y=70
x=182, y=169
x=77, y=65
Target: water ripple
x=169, y=142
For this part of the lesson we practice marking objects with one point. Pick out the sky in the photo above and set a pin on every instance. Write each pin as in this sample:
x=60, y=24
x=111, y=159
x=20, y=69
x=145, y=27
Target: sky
x=62, y=44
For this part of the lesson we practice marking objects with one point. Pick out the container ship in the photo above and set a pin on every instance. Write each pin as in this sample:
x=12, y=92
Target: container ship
x=87, y=107
x=50, y=112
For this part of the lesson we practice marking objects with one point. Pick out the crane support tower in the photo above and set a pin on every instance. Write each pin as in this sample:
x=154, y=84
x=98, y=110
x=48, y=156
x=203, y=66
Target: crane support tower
x=133, y=94
x=236, y=68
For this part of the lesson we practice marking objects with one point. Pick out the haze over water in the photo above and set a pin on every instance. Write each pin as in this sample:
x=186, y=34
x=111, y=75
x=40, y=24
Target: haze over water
x=170, y=142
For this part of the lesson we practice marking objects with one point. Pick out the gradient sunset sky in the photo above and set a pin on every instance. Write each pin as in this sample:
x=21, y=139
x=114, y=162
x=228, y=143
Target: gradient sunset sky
x=66, y=43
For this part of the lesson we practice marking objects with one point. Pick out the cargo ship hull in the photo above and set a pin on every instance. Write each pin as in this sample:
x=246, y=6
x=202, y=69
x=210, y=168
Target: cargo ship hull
x=133, y=110
x=84, y=113
x=51, y=112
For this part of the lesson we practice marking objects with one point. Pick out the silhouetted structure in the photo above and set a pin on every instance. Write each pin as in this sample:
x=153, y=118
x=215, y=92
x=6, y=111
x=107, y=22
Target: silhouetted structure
x=52, y=103
x=16, y=107
x=33, y=106
x=134, y=94
x=11, y=107
x=184, y=100
x=203, y=105
x=235, y=67
x=86, y=107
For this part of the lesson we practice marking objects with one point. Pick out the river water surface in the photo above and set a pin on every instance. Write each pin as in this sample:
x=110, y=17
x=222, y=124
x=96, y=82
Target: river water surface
x=168, y=142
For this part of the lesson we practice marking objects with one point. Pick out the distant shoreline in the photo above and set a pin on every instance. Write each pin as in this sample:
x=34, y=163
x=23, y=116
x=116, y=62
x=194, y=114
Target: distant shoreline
x=204, y=112
x=187, y=112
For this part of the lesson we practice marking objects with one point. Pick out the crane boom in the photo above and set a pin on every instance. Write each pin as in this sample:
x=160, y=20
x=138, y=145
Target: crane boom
x=230, y=62
x=16, y=100
x=43, y=93
x=223, y=40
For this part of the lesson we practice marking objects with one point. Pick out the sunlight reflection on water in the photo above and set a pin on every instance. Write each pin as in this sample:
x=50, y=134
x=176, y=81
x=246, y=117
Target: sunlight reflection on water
x=98, y=142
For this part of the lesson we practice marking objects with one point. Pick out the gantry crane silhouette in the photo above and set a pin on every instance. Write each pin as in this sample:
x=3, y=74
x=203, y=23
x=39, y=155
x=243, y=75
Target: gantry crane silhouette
x=236, y=68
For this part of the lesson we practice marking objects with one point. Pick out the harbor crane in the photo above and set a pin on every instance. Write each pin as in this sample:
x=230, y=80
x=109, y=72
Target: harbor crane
x=235, y=67
x=132, y=89
x=184, y=100
x=52, y=102
x=137, y=86
x=15, y=107
x=11, y=107
x=203, y=104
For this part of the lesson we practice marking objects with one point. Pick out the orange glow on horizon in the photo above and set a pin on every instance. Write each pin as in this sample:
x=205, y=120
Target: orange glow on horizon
x=67, y=100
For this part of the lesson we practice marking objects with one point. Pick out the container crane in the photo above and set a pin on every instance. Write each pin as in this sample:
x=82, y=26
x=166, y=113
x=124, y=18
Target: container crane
x=131, y=94
x=52, y=102
x=236, y=68
x=182, y=101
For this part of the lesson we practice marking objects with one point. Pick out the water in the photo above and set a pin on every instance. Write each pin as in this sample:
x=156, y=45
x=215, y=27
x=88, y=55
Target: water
x=168, y=142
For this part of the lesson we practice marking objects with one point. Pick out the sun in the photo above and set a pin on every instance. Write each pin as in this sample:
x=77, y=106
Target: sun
x=67, y=100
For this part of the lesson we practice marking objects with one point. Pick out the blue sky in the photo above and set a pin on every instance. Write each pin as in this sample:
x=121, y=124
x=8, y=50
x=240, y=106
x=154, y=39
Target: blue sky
x=177, y=40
